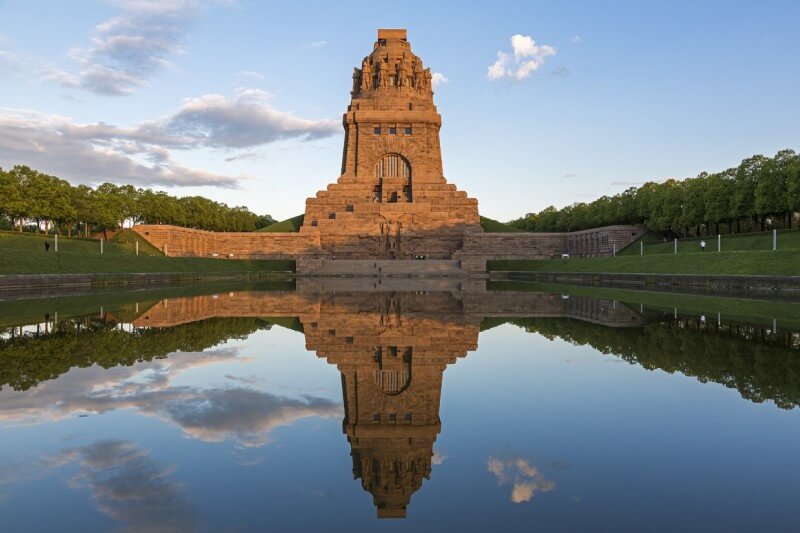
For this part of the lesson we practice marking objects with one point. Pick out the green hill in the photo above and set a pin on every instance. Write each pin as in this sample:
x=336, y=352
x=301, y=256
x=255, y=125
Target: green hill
x=494, y=226
x=290, y=225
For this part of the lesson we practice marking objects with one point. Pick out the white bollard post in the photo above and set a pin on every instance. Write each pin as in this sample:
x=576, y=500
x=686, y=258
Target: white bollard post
x=676, y=246
x=774, y=239
x=101, y=245
x=719, y=242
x=137, y=247
x=641, y=248
x=56, y=243
x=614, y=250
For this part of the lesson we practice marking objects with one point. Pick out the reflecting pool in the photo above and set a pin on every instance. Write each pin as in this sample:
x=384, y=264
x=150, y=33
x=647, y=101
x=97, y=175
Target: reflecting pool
x=398, y=405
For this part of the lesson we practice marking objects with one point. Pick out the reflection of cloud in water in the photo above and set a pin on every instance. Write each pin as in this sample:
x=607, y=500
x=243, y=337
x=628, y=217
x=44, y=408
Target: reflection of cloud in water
x=244, y=414
x=215, y=414
x=526, y=478
x=438, y=457
x=125, y=484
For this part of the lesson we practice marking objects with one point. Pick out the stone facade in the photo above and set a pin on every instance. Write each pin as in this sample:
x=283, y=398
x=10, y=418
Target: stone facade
x=392, y=201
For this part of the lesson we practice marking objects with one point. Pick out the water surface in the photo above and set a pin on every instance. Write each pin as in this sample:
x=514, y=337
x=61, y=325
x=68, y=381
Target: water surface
x=398, y=407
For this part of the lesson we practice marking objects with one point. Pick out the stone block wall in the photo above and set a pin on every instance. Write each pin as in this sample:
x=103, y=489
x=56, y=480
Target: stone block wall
x=597, y=242
x=176, y=241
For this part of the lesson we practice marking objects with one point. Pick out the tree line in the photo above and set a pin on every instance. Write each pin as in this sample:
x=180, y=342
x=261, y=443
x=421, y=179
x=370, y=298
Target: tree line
x=30, y=359
x=761, y=193
x=50, y=203
x=762, y=366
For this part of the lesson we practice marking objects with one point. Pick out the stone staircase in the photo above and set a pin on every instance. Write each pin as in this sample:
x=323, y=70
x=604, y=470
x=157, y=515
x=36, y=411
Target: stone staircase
x=380, y=268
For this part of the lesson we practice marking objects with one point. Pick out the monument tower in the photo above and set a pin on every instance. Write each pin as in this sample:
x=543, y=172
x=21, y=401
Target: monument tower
x=391, y=200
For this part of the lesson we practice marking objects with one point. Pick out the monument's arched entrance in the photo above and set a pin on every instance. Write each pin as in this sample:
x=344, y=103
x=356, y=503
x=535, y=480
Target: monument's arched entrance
x=393, y=179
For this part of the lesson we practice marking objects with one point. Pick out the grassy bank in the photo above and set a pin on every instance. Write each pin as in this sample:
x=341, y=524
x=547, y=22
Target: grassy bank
x=656, y=243
x=767, y=263
x=739, y=309
x=25, y=254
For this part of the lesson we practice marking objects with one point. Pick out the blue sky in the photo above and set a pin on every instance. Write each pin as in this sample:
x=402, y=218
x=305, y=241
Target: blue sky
x=241, y=101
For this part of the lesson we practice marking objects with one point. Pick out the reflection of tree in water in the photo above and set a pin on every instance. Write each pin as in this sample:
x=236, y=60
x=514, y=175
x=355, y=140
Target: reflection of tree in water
x=760, y=364
x=27, y=360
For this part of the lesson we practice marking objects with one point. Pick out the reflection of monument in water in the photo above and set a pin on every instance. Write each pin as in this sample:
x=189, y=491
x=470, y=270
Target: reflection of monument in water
x=392, y=349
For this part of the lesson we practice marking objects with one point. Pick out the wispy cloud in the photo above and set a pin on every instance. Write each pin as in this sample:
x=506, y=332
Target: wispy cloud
x=249, y=75
x=125, y=51
x=527, y=57
x=143, y=154
x=577, y=39
x=315, y=44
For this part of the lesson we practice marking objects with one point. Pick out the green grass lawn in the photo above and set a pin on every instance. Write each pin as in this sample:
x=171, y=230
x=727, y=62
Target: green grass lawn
x=25, y=254
x=777, y=263
x=655, y=243
x=23, y=243
x=290, y=225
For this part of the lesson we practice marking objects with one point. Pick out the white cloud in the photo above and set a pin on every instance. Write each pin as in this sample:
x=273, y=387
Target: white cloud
x=577, y=39
x=125, y=51
x=92, y=153
x=527, y=57
x=437, y=79
x=249, y=75
x=525, y=478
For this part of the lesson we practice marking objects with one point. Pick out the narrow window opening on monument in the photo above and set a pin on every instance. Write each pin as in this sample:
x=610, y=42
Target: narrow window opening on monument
x=407, y=416
x=331, y=215
x=392, y=417
x=393, y=351
x=314, y=222
x=393, y=198
x=349, y=208
x=408, y=131
x=348, y=340
x=392, y=131
x=331, y=332
x=377, y=130
x=376, y=417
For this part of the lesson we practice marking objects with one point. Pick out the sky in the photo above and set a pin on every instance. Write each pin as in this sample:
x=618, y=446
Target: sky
x=543, y=103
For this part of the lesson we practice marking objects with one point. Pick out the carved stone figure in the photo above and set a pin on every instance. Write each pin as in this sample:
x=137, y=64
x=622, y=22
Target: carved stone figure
x=418, y=75
x=383, y=78
x=356, y=81
x=402, y=72
x=366, y=75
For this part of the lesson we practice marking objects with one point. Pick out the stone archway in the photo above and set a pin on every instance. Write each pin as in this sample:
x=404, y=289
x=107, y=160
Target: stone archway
x=393, y=179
